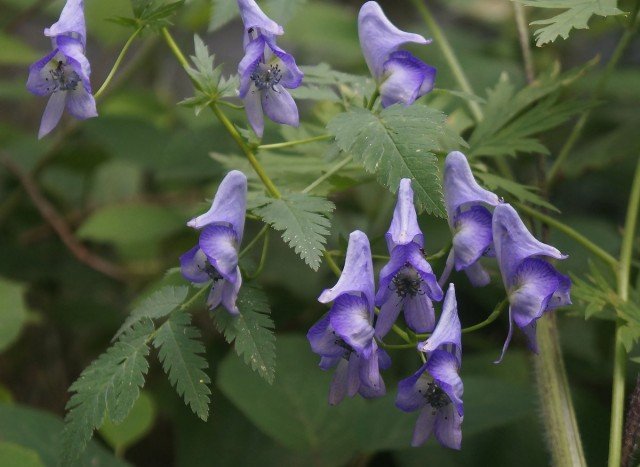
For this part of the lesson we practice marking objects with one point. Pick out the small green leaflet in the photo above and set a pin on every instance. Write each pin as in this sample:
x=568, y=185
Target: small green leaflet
x=209, y=83
x=512, y=119
x=181, y=353
x=156, y=305
x=303, y=220
x=523, y=193
x=397, y=143
x=109, y=386
x=252, y=331
x=577, y=16
x=595, y=292
x=149, y=13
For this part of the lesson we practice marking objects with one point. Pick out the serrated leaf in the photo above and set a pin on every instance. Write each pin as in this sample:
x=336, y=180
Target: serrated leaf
x=252, y=331
x=154, y=14
x=303, y=220
x=400, y=142
x=222, y=11
x=181, y=353
x=107, y=387
x=524, y=193
x=576, y=16
x=156, y=305
x=595, y=293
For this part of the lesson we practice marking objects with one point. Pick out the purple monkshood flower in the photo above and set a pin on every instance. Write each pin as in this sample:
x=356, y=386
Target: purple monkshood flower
x=344, y=336
x=407, y=281
x=64, y=73
x=469, y=212
x=533, y=285
x=436, y=388
x=266, y=71
x=401, y=77
x=215, y=257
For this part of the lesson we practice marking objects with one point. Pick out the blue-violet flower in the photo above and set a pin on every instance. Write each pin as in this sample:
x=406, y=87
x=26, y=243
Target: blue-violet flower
x=469, y=213
x=407, y=281
x=344, y=336
x=266, y=71
x=64, y=73
x=401, y=77
x=216, y=255
x=533, y=285
x=436, y=388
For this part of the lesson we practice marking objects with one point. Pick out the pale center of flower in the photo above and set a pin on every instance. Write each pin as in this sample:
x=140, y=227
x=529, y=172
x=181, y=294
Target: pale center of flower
x=407, y=282
x=62, y=78
x=266, y=76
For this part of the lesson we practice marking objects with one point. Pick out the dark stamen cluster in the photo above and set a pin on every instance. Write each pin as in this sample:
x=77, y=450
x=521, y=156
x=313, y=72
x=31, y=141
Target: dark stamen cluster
x=435, y=396
x=341, y=343
x=267, y=78
x=407, y=282
x=212, y=273
x=62, y=80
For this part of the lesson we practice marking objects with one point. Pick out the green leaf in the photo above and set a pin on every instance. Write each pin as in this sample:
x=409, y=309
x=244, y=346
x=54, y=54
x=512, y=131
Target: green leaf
x=295, y=413
x=181, y=353
x=222, y=11
x=134, y=427
x=596, y=293
x=252, y=331
x=157, y=305
x=397, y=143
x=13, y=312
x=40, y=432
x=108, y=387
x=576, y=16
x=302, y=218
x=14, y=455
x=154, y=13
x=130, y=224
x=523, y=193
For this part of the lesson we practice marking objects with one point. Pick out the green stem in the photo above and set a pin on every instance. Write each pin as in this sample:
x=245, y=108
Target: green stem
x=201, y=291
x=117, y=63
x=230, y=105
x=331, y=263
x=620, y=354
x=449, y=55
x=254, y=241
x=568, y=231
x=328, y=174
x=288, y=144
x=229, y=126
x=576, y=132
x=263, y=258
x=397, y=346
x=372, y=100
x=490, y=319
x=523, y=38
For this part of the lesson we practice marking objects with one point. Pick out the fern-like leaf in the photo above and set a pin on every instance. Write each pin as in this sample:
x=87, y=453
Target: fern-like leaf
x=181, y=354
x=252, y=331
x=109, y=386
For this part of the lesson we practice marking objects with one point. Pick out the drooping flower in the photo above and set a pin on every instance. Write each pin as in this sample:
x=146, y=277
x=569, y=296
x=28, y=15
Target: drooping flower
x=401, y=77
x=407, y=282
x=436, y=388
x=469, y=213
x=215, y=258
x=64, y=73
x=266, y=71
x=533, y=285
x=344, y=336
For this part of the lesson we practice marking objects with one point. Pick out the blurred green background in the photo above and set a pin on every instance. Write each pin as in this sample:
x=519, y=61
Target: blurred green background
x=127, y=181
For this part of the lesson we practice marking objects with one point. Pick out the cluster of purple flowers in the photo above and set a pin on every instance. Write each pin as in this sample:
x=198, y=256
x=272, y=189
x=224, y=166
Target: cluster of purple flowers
x=482, y=225
x=64, y=73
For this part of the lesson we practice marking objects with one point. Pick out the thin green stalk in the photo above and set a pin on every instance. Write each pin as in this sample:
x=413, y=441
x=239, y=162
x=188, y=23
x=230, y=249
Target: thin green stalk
x=576, y=132
x=336, y=168
x=523, y=38
x=396, y=346
x=230, y=105
x=263, y=258
x=620, y=354
x=117, y=63
x=490, y=319
x=201, y=291
x=447, y=51
x=229, y=126
x=331, y=263
x=568, y=231
x=253, y=241
x=372, y=100
x=288, y=144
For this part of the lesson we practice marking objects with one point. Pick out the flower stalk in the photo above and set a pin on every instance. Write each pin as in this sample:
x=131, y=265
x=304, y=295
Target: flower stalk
x=117, y=63
x=620, y=354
